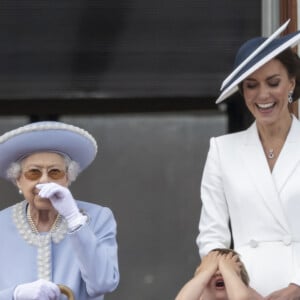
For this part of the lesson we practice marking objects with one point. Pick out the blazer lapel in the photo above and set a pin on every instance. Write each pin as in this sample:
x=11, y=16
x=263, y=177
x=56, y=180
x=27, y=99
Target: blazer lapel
x=289, y=157
x=260, y=174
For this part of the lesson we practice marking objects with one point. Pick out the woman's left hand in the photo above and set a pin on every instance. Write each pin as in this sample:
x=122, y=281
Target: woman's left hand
x=292, y=292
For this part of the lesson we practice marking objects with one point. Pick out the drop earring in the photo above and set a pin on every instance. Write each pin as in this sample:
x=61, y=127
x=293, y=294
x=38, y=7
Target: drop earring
x=290, y=97
x=20, y=192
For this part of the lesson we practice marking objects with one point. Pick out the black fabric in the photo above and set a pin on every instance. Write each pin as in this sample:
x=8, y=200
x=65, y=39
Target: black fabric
x=114, y=49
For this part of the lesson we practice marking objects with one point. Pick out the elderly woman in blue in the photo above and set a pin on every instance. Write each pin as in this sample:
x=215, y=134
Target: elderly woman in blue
x=50, y=238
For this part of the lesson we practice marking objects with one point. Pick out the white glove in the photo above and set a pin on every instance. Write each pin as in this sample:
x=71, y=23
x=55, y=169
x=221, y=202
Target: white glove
x=63, y=201
x=37, y=290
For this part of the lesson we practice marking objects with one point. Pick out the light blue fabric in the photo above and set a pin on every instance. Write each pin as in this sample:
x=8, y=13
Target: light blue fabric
x=51, y=136
x=85, y=260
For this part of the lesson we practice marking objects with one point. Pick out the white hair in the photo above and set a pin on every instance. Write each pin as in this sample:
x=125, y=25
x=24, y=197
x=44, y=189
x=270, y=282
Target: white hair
x=14, y=170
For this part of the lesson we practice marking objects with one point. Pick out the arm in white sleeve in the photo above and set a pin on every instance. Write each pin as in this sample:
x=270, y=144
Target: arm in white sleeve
x=214, y=231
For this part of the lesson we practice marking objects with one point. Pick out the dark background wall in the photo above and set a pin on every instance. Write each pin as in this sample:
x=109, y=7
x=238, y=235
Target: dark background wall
x=118, y=55
x=142, y=77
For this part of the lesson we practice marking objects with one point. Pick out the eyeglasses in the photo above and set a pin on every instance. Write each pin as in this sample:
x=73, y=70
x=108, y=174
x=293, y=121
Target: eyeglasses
x=35, y=174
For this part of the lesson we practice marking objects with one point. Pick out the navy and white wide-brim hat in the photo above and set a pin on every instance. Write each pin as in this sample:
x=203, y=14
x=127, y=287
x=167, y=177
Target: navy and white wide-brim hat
x=51, y=136
x=253, y=54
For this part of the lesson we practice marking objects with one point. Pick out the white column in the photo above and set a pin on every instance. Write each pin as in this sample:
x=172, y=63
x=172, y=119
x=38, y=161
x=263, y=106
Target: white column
x=270, y=16
x=298, y=26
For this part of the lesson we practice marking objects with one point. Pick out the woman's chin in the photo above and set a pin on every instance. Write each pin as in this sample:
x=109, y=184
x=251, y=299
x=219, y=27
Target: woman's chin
x=42, y=203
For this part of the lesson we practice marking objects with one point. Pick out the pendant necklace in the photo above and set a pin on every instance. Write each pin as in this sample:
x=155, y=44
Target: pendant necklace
x=270, y=154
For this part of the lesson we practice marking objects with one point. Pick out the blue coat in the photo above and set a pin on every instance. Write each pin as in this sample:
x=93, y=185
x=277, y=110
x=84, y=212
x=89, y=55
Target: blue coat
x=85, y=260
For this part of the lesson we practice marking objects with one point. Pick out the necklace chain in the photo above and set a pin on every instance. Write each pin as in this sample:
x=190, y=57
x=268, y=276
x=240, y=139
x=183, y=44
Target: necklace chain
x=42, y=241
x=33, y=227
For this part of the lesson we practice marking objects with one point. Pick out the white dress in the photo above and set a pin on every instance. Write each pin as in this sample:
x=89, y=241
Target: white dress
x=263, y=207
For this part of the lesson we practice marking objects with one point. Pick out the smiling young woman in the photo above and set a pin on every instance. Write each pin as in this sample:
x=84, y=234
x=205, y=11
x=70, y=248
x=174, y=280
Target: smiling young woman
x=250, y=184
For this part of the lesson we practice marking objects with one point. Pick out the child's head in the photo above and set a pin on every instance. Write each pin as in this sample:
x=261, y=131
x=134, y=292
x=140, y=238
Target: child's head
x=215, y=288
x=244, y=274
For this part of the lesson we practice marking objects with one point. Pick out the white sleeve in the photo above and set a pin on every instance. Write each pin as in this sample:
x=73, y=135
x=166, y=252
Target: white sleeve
x=214, y=231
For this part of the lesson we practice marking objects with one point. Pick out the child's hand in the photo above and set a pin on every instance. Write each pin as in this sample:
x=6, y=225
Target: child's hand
x=209, y=263
x=230, y=262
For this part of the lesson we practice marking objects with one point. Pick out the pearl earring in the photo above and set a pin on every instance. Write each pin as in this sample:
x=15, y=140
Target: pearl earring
x=290, y=97
x=20, y=192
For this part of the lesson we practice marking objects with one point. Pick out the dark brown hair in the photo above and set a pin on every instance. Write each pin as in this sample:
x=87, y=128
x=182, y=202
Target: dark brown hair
x=291, y=61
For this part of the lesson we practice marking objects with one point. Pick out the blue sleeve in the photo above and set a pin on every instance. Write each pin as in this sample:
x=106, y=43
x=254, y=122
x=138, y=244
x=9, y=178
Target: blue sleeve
x=96, y=249
x=7, y=293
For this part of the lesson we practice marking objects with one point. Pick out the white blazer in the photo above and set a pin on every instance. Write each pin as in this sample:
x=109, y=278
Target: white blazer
x=262, y=206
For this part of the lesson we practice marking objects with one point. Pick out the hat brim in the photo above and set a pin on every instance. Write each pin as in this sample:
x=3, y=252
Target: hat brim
x=254, y=53
x=50, y=136
x=266, y=54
